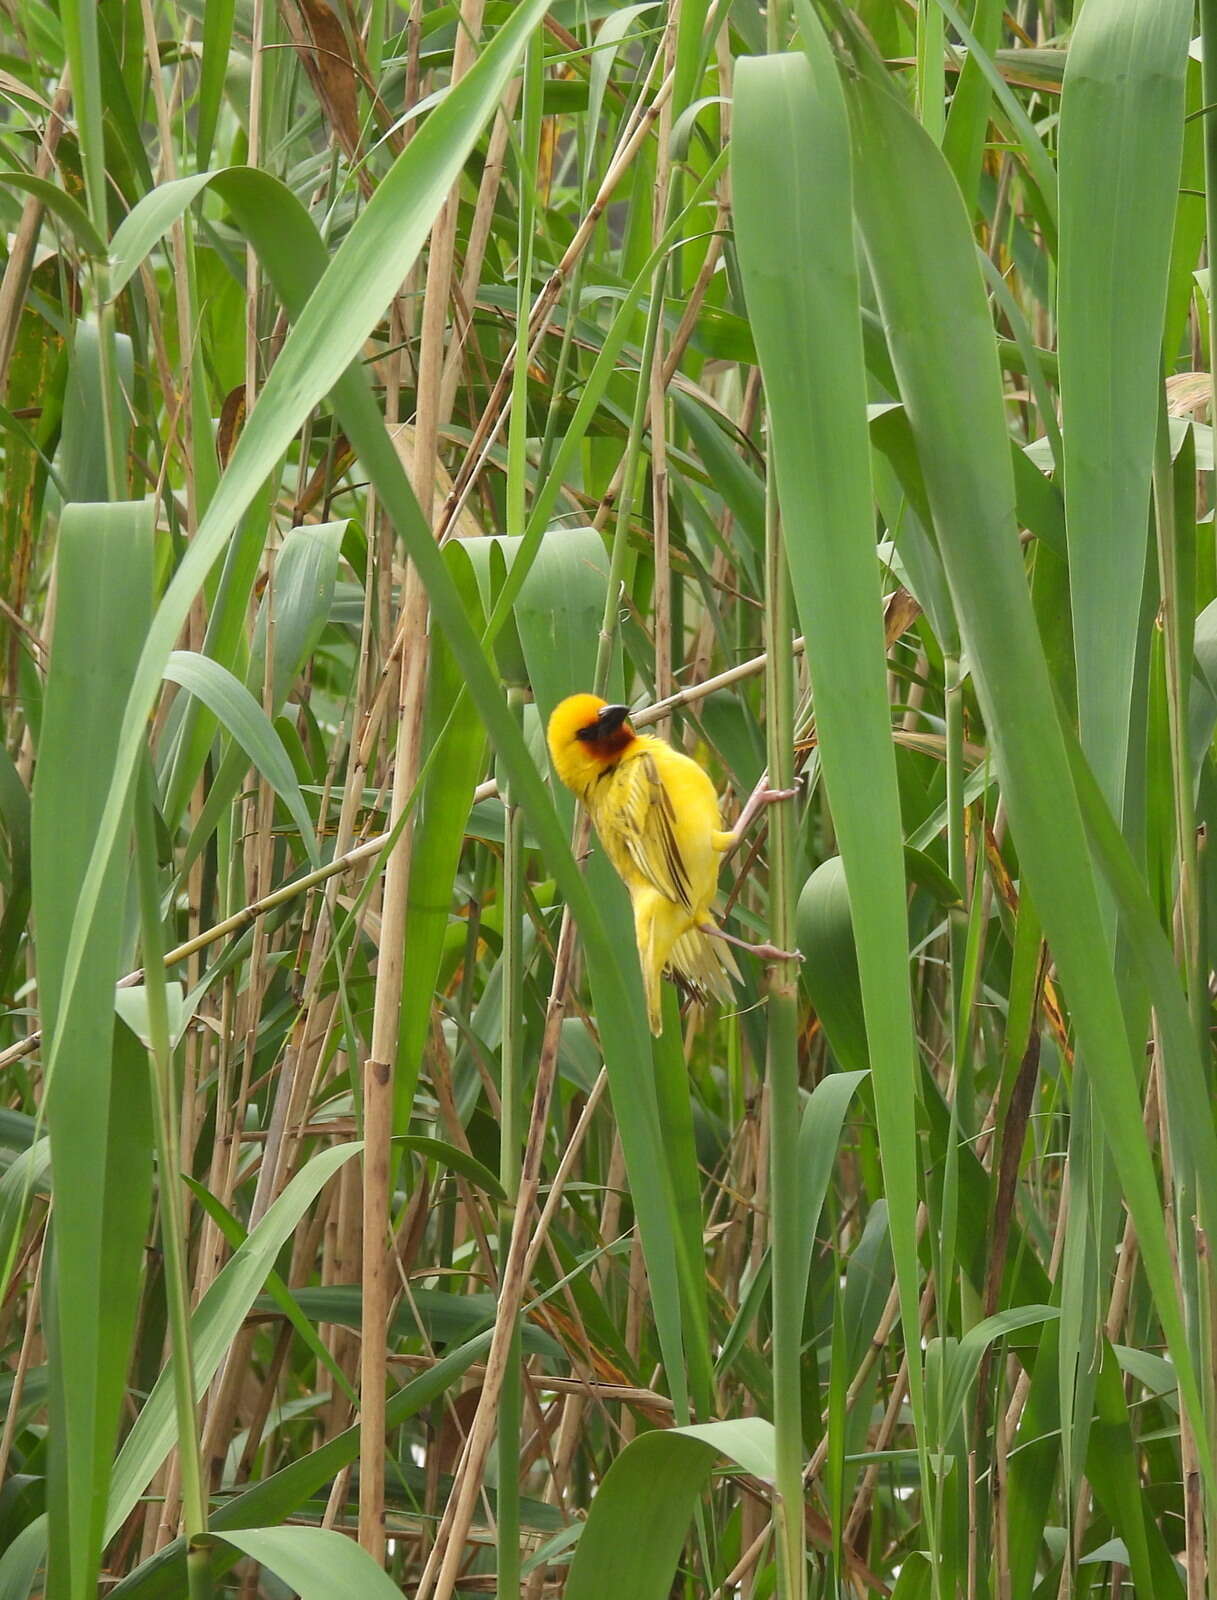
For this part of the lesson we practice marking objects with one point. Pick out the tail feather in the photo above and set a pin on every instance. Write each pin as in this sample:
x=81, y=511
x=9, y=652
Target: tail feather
x=705, y=966
x=667, y=945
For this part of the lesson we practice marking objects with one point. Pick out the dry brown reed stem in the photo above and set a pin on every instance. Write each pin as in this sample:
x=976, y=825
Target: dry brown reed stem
x=244, y=1009
x=404, y=684
x=224, y=1393
x=625, y=1394
x=443, y=1566
x=378, y=1069
x=478, y=238
x=340, y=1264
x=870, y=1478
x=558, y=1489
x=1022, y=1385
x=891, y=1314
x=1194, y=1556
x=454, y=1129
x=248, y=915
x=162, y=1530
x=706, y=637
x=29, y=1339
x=378, y=1128
x=495, y=411
x=565, y=1166
x=1001, y=1516
x=429, y=418
x=25, y=239
x=668, y=372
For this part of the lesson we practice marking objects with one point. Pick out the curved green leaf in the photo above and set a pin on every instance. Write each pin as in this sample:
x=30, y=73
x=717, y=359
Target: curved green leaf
x=316, y=1562
x=245, y=720
x=214, y=1325
x=634, y=1535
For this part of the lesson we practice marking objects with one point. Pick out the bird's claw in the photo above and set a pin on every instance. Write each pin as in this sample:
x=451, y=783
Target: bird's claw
x=770, y=952
x=766, y=952
x=760, y=797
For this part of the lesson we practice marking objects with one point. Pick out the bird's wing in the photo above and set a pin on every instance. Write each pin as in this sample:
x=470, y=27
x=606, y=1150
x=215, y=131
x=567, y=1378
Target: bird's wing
x=648, y=826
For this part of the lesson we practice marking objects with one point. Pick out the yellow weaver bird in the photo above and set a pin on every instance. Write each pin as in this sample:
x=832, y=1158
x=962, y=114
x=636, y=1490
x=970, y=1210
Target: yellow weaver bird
x=658, y=819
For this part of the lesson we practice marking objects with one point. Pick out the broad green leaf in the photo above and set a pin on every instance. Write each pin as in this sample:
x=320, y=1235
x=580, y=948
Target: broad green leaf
x=316, y=1562
x=361, y=278
x=61, y=205
x=830, y=963
x=910, y=219
x=214, y=1325
x=217, y=40
x=235, y=1235
x=456, y=740
x=1121, y=140
x=20, y=1563
x=800, y=278
x=963, y=1361
x=558, y=612
x=82, y=454
x=283, y=1493
x=300, y=597
x=131, y=1004
x=147, y=223
x=819, y=1134
x=302, y=591
x=97, y=1108
x=633, y=1535
x=26, y=1175
x=241, y=715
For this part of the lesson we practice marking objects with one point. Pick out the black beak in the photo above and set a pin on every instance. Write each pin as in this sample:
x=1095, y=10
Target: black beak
x=608, y=720
x=611, y=718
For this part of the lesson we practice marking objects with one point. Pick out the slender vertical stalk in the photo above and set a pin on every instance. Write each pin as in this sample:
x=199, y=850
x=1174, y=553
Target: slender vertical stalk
x=658, y=407
x=374, y=36
x=164, y=1105
x=517, y=438
x=1208, y=96
x=625, y=504
x=782, y=1070
x=379, y=1067
x=508, y=1443
x=82, y=47
x=1176, y=566
x=1177, y=633
x=378, y=1078
x=1208, y=1278
x=511, y=1055
x=931, y=69
x=258, y=30
x=440, y=1574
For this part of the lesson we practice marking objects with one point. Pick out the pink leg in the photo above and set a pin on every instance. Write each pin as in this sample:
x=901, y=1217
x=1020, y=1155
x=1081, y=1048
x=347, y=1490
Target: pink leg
x=768, y=952
x=760, y=797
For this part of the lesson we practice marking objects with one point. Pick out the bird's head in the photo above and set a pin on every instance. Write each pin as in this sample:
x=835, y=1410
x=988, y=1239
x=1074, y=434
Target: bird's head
x=586, y=735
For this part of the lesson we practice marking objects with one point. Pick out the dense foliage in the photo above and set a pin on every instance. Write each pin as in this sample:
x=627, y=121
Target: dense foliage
x=832, y=384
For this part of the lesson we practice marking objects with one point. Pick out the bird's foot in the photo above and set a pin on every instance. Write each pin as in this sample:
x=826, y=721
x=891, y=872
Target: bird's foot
x=760, y=797
x=767, y=952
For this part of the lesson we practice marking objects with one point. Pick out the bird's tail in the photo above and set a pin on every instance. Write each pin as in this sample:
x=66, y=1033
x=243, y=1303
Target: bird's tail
x=704, y=965
x=699, y=963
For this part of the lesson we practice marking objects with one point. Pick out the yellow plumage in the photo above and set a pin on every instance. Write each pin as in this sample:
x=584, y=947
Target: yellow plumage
x=658, y=819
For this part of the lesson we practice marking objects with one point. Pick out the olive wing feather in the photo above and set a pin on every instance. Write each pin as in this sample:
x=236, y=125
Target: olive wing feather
x=648, y=829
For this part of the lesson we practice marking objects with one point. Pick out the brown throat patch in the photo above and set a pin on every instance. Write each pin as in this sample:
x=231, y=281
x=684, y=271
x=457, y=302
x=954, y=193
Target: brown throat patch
x=609, y=746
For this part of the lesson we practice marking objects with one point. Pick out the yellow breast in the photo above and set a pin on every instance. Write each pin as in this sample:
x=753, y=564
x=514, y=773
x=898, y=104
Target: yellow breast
x=624, y=808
